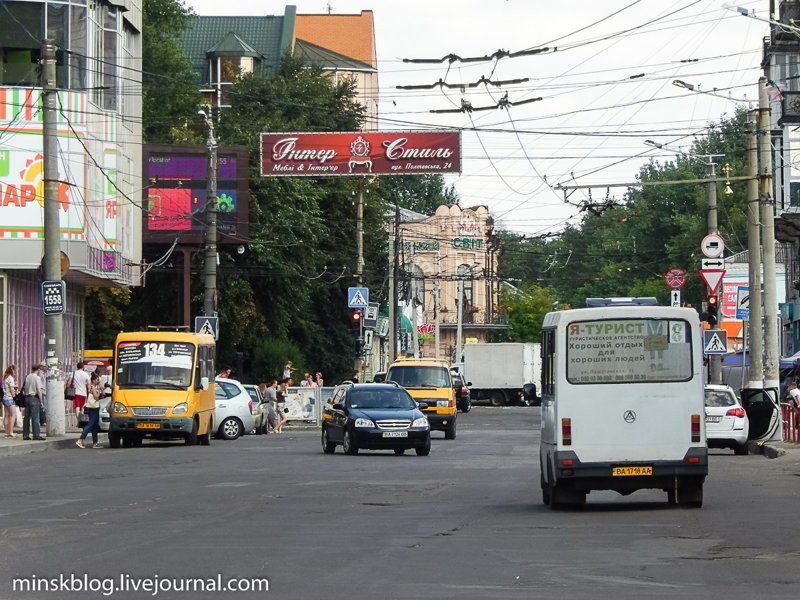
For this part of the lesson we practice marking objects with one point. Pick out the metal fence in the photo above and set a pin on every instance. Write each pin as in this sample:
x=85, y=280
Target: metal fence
x=304, y=404
x=791, y=422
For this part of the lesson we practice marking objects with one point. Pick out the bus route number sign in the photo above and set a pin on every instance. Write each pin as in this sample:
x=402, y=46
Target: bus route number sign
x=675, y=278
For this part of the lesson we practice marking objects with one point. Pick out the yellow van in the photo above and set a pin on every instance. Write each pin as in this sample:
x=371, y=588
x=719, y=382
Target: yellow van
x=428, y=381
x=163, y=387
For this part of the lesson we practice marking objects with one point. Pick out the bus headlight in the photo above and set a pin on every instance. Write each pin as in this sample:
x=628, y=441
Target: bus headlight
x=119, y=408
x=180, y=409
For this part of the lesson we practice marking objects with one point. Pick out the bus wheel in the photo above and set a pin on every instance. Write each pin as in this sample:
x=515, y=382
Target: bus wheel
x=136, y=441
x=114, y=439
x=127, y=441
x=191, y=438
x=562, y=496
x=547, y=492
x=205, y=439
x=672, y=498
x=690, y=495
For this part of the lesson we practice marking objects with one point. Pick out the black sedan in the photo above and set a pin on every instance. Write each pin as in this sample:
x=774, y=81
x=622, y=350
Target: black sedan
x=374, y=416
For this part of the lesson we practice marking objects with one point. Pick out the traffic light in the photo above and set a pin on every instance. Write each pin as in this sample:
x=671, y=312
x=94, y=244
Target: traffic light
x=360, y=346
x=355, y=317
x=711, y=301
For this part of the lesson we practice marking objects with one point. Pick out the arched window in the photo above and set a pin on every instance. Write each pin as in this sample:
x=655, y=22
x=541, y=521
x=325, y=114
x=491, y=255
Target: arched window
x=464, y=275
x=414, y=288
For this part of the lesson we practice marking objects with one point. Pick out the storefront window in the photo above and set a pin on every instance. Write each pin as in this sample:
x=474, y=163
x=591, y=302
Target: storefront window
x=20, y=39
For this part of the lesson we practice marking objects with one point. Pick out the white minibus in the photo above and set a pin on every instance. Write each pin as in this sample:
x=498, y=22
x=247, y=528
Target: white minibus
x=622, y=402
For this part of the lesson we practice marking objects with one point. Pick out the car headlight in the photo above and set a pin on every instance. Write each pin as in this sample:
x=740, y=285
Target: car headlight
x=421, y=422
x=180, y=409
x=364, y=423
x=119, y=408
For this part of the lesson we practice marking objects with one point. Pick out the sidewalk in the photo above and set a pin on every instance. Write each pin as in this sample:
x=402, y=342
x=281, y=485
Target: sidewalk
x=19, y=447
x=775, y=449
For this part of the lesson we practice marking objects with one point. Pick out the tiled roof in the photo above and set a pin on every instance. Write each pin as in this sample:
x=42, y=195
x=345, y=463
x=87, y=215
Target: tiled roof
x=233, y=45
x=327, y=59
x=264, y=35
x=349, y=35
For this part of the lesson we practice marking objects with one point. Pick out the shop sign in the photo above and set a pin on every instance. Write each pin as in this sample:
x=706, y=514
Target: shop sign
x=467, y=244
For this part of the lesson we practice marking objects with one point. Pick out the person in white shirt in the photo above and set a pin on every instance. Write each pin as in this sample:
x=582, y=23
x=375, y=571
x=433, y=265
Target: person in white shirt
x=32, y=389
x=80, y=383
x=9, y=408
x=794, y=393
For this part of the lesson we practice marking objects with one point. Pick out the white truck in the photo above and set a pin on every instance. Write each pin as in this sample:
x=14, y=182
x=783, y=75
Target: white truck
x=504, y=373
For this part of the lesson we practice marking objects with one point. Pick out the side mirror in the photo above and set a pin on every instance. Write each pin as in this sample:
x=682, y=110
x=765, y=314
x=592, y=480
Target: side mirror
x=204, y=384
x=338, y=406
x=469, y=384
x=422, y=405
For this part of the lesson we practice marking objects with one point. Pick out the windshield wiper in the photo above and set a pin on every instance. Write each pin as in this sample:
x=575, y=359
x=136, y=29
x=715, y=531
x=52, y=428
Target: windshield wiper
x=424, y=385
x=171, y=386
x=147, y=386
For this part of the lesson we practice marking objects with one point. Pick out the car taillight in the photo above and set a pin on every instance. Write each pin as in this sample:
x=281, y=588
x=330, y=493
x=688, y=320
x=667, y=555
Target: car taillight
x=695, y=428
x=250, y=405
x=566, y=431
x=735, y=412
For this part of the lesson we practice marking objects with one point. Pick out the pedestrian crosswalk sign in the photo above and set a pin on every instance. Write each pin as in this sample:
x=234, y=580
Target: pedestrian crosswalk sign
x=357, y=297
x=715, y=341
x=207, y=326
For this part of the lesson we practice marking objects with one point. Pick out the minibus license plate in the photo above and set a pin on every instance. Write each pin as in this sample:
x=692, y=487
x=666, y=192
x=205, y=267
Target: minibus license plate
x=631, y=471
x=441, y=403
x=148, y=425
x=713, y=419
x=390, y=434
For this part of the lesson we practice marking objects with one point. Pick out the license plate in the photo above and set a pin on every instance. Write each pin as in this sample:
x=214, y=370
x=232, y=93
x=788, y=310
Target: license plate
x=713, y=419
x=148, y=425
x=631, y=471
x=442, y=403
x=394, y=434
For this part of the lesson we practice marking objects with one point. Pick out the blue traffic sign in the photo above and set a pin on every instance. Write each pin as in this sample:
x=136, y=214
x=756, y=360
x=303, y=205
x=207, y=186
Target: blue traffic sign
x=743, y=303
x=207, y=325
x=715, y=341
x=357, y=297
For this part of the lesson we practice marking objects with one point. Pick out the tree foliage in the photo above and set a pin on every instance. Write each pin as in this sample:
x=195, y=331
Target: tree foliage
x=420, y=193
x=526, y=309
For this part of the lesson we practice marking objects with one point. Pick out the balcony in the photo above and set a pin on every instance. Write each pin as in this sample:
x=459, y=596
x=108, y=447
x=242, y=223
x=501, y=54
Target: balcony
x=473, y=320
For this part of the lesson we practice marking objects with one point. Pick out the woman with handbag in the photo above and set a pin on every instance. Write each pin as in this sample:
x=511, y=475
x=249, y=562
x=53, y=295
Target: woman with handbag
x=92, y=410
x=9, y=407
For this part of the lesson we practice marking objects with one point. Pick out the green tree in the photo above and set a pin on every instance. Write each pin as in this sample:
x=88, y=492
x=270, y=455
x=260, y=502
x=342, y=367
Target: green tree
x=420, y=193
x=526, y=309
x=170, y=95
x=105, y=315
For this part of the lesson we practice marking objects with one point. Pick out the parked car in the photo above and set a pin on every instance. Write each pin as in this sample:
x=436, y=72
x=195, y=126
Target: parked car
x=379, y=377
x=260, y=412
x=374, y=416
x=233, y=411
x=726, y=421
x=461, y=389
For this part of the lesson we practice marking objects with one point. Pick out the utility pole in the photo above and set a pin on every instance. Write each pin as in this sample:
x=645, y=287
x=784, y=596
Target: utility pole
x=771, y=345
x=459, y=317
x=360, y=267
x=393, y=295
x=210, y=267
x=437, y=305
x=715, y=360
x=755, y=375
x=53, y=324
x=392, y=336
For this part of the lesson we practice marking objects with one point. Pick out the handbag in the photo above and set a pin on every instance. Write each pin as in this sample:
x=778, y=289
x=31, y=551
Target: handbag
x=19, y=400
x=69, y=390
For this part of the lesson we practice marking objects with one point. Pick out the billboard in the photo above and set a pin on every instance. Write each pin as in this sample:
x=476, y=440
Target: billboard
x=360, y=153
x=176, y=193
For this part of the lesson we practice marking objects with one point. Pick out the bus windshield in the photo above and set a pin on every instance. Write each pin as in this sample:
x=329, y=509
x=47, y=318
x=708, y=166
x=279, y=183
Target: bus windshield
x=165, y=365
x=629, y=351
x=419, y=376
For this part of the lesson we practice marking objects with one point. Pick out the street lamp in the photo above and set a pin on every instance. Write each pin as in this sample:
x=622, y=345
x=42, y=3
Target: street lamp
x=210, y=266
x=696, y=88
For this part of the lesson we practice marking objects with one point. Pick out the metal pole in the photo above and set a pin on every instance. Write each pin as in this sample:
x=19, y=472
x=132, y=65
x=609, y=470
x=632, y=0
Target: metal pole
x=771, y=347
x=360, y=233
x=756, y=369
x=714, y=361
x=438, y=306
x=459, y=317
x=392, y=334
x=210, y=267
x=53, y=324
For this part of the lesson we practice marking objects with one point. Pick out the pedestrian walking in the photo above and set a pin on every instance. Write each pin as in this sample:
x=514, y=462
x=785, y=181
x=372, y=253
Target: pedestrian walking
x=280, y=406
x=271, y=398
x=34, y=393
x=92, y=409
x=9, y=392
x=80, y=383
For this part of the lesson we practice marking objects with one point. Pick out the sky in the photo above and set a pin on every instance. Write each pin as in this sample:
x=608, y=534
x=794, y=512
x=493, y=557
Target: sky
x=606, y=86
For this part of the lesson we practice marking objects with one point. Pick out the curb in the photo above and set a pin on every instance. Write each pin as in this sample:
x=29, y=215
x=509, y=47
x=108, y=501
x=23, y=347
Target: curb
x=765, y=449
x=33, y=447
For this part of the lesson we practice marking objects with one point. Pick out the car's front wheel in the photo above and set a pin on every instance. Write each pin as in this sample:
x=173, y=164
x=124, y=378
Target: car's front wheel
x=348, y=444
x=328, y=447
x=230, y=429
x=426, y=449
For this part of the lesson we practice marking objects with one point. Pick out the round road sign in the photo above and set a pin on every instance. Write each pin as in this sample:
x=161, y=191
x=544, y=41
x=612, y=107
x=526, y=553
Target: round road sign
x=712, y=246
x=675, y=278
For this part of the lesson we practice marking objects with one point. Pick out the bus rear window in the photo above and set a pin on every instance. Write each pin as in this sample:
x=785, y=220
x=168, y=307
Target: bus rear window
x=629, y=351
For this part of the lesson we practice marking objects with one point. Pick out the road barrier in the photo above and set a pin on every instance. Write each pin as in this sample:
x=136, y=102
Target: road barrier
x=791, y=422
x=304, y=404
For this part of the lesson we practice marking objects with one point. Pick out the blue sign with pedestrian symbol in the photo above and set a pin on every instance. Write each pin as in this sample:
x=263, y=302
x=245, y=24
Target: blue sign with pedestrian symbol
x=357, y=297
x=715, y=341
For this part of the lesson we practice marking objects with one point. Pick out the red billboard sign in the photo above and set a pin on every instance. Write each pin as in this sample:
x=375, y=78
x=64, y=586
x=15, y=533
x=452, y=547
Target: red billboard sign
x=360, y=153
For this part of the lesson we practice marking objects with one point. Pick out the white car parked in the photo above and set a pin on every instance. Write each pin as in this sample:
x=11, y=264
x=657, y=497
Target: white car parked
x=233, y=412
x=726, y=422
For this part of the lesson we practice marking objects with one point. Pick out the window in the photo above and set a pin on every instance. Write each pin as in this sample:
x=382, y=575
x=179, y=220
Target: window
x=156, y=365
x=548, y=362
x=628, y=351
x=419, y=376
x=391, y=398
x=20, y=35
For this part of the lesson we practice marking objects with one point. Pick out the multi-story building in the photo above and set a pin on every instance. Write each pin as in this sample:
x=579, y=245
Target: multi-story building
x=443, y=257
x=222, y=48
x=99, y=162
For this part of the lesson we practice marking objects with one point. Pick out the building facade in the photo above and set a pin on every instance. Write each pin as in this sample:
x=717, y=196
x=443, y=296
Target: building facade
x=445, y=259
x=222, y=48
x=99, y=162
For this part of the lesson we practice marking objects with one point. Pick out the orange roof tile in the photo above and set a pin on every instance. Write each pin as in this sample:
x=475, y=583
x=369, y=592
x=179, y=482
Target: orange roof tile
x=350, y=35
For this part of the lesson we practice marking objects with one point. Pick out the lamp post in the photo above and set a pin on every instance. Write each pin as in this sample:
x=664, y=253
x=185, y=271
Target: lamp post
x=210, y=266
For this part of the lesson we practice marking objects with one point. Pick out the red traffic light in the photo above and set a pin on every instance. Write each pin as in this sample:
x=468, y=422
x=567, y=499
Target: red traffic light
x=355, y=316
x=712, y=300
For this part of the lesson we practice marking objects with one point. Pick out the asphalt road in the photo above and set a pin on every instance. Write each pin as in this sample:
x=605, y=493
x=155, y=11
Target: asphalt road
x=466, y=522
